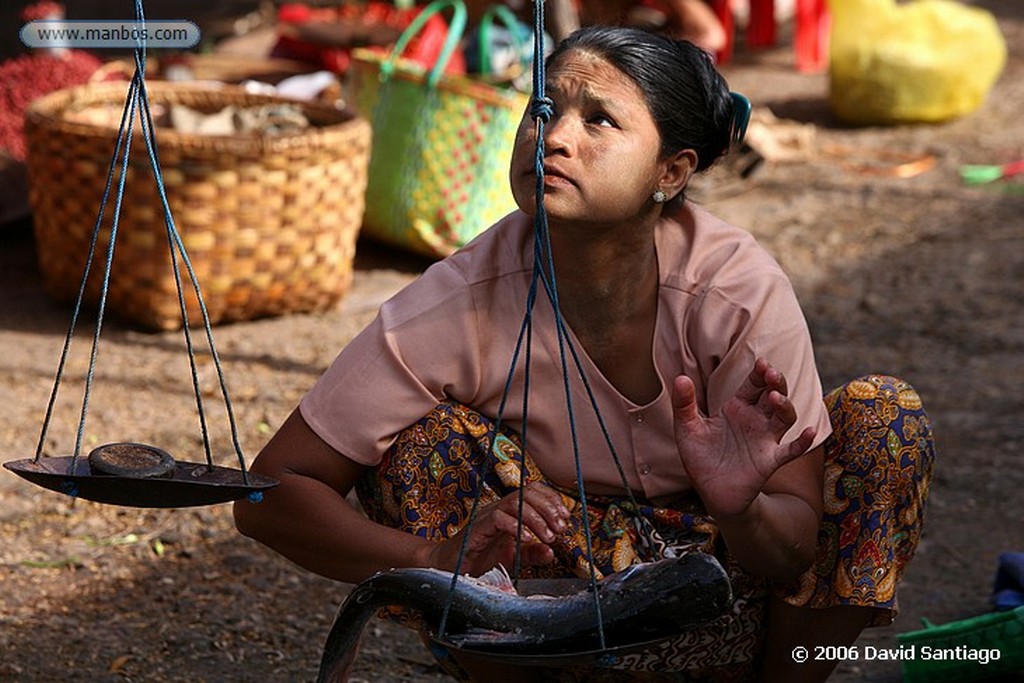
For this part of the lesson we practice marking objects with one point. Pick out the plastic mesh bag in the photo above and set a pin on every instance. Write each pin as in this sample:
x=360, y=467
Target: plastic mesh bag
x=921, y=61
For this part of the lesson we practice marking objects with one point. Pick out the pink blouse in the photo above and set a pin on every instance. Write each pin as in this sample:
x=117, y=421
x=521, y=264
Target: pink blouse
x=723, y=301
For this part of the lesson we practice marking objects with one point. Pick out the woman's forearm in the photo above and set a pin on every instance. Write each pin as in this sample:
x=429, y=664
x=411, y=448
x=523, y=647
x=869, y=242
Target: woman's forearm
x=307, y=522
x=775, y=537
x=307, y=518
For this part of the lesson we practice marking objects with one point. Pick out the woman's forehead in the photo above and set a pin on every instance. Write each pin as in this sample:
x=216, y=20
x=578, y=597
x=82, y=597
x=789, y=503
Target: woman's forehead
x=581, y=61
x=593, y=75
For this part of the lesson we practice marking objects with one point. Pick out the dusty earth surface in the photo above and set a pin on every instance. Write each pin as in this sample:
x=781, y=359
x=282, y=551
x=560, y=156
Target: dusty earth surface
x=916, y=276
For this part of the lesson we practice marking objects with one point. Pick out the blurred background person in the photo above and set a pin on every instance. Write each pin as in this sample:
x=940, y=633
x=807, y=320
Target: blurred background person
x=692, y=20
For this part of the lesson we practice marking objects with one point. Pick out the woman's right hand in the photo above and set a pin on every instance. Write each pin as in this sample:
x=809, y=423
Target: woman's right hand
x=492, y=535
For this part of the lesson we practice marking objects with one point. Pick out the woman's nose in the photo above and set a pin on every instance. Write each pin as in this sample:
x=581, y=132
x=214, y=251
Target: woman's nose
x=560, y=135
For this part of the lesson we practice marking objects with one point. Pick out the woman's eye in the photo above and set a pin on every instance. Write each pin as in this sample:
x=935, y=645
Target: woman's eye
x=602, y=120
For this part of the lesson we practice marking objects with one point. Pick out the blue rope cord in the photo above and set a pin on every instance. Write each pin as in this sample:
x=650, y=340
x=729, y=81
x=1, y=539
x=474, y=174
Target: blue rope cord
x=171, y=247
x=541, y=109
x=177, y=246
x=525, y=335
x=522, y=467
x=138, y=99
x=175, y=240
x=642, y=520
x=132, y=96
x=65, y=351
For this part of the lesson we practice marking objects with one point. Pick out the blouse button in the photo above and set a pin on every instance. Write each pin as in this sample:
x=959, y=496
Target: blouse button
x=639, y=418
x=645, y=469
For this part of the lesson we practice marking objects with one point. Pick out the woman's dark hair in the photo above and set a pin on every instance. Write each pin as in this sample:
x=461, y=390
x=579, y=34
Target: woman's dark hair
x=687, y=97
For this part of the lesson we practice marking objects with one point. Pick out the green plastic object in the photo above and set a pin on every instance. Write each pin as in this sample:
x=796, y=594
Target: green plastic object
x=515, y=30
x=979, y=174
x=977, y=649
x=442, y=144
x=451, y=42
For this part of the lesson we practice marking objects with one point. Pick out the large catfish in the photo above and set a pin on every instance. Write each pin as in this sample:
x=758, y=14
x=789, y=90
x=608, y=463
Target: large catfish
x=645, y=602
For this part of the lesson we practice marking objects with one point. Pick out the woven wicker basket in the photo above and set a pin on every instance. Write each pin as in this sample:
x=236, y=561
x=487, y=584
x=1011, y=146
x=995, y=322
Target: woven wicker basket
x=269, y=221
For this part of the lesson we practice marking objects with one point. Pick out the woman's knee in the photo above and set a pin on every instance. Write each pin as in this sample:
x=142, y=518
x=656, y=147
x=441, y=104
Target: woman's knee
x=879, y=416
x=879, y=459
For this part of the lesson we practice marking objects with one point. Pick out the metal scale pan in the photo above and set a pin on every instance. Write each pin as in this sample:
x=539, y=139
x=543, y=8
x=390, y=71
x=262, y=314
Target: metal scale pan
x=125, y=473
x=587, y=656
x=137, y=475
x=583, y=653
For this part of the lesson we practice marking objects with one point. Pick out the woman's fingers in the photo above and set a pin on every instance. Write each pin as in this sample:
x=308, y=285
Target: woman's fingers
x=684, y=399
x=802, y=443
x=543, y=513
x=534, y=550
x=782, y=411
x=755, y=383
x=773, y=378
x=761, y=381
x=535, y=554
x=493, y=534
x=767, y=388
x=797, y=447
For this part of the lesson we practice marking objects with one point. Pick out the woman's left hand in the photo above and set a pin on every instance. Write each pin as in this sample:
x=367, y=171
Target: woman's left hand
x=730, y=456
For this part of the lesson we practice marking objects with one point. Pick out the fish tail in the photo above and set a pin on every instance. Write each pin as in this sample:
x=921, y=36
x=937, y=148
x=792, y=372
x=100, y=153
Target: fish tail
x=339, y=652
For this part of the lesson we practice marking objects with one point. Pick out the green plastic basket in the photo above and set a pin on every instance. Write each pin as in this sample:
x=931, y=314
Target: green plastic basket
x=956, y=651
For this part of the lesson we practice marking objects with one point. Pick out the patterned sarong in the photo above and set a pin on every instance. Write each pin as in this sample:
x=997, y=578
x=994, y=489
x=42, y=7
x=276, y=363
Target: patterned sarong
x=878, y=464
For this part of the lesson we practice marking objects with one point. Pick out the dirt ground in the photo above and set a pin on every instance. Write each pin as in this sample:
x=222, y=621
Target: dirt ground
x=918, y=276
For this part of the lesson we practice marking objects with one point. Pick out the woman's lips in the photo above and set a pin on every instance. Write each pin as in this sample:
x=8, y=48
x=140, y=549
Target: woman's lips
x=556, y=177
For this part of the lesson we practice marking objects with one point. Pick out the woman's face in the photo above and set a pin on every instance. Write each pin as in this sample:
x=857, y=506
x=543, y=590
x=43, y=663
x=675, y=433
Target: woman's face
x=602, y=148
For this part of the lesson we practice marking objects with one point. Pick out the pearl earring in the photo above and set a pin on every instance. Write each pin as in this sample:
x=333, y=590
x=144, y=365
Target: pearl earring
x=659, y=196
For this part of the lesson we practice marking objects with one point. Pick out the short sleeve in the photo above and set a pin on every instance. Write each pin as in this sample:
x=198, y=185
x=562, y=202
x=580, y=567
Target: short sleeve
x=423, y=346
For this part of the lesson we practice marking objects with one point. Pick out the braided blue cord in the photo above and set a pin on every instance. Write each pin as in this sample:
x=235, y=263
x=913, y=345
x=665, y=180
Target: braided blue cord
x=147, y=130
x=137, y=99
x=93, y=354
x=642, y=520
x=525, y=336
x=65, y=351
x=541, y=109
x=177, y=247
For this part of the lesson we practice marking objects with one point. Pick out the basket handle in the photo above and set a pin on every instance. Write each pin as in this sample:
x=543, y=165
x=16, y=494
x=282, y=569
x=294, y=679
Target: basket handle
x=511, y=22
x=451, y=42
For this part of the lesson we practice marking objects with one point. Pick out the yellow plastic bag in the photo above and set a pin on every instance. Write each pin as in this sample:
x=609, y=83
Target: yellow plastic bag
x=921, y=61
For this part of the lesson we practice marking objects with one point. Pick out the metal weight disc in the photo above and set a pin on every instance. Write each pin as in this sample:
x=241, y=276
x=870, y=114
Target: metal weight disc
x=134, y=460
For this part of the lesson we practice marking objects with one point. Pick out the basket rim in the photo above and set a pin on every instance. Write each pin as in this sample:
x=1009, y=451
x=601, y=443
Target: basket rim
x=963, y=626
x=48, y=112
x=410, y=71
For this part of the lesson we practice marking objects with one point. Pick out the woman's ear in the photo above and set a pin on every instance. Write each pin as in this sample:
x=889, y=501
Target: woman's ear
x=678, y=169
